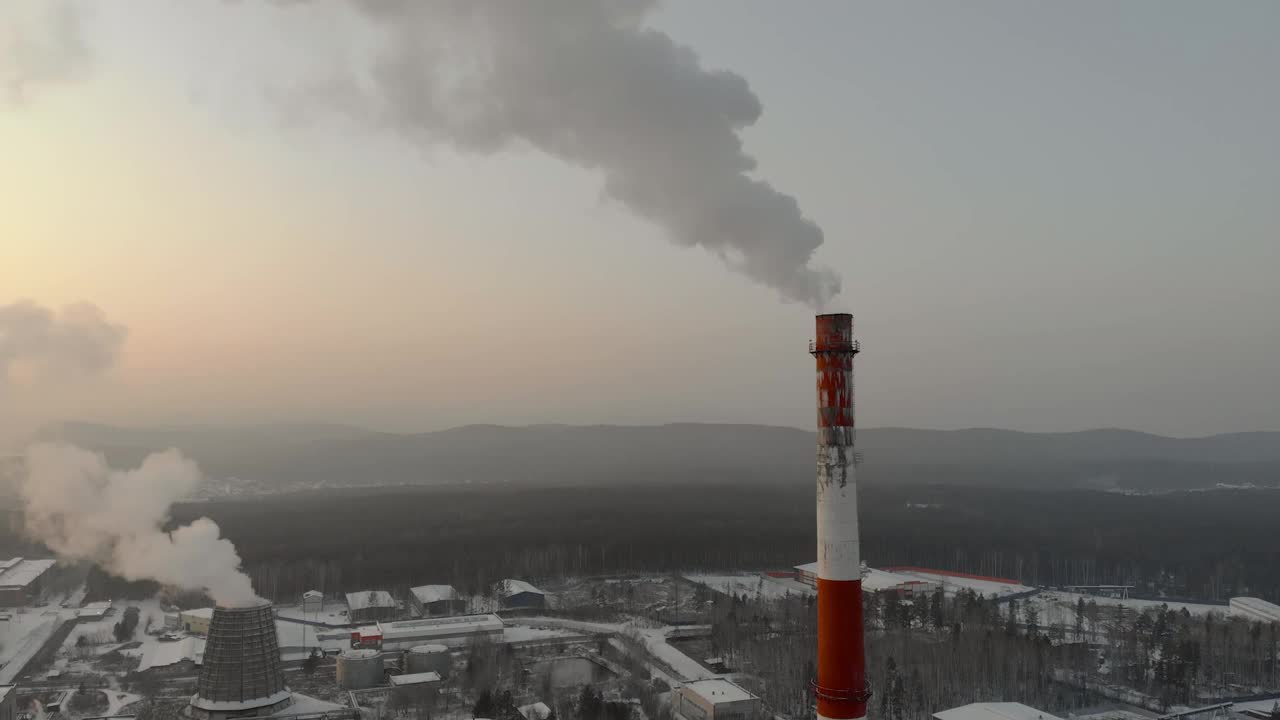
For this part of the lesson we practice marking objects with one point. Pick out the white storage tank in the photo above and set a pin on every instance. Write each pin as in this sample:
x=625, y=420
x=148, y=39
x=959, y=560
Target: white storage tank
x=359, y=669
x=428, y=658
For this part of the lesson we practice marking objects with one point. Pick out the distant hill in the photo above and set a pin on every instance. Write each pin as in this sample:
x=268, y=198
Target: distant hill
x=279, y=457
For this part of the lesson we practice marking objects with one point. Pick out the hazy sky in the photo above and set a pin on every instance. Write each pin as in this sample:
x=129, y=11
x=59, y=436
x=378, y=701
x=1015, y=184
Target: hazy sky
x=1047, y=216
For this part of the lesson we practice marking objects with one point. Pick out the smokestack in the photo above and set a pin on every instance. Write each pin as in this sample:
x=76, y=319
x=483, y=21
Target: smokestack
x=241, y=675
x=841, y=686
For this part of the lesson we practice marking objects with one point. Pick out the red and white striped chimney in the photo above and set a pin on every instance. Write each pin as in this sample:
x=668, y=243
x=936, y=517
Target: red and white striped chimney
x=841, y=685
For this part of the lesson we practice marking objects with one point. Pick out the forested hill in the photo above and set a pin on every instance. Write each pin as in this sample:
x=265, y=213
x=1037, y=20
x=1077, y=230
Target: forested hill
x=289, y=456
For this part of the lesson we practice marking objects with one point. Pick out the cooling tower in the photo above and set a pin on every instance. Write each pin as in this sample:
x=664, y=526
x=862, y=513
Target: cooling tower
x=241, y=675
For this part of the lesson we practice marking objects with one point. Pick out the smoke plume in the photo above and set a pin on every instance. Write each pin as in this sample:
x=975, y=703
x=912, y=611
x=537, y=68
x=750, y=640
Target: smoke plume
x=40, y=342
x=40, y=44
x=586, y=81
x=84, y=510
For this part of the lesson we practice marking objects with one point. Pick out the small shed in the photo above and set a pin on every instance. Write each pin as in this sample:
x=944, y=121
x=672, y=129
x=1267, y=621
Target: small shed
x=436, y=600
x=312, y=601
x=520, y=594
x=371, y=606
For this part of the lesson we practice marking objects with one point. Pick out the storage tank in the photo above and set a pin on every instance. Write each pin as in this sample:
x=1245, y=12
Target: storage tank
x=428, y=658
x=359, y=669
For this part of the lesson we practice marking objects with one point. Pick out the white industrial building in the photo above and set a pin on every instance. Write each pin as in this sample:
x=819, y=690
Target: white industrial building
x=20, y=580
x=994, y=711
x=435, y=600
x=371, y=606
x=715, y=699
x=1255, y=609
x=449, y=631
x=520, y=594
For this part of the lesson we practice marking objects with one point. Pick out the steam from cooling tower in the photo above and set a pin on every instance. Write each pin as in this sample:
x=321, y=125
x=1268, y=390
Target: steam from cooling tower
x=36, y=341
x=588, y=82
x=40, y=44
x=84, y=510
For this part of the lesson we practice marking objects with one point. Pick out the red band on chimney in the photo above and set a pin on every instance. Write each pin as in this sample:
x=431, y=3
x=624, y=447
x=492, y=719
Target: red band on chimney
x=842, y=681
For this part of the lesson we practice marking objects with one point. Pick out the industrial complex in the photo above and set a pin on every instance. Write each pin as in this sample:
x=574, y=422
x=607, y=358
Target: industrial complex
x=681, y=646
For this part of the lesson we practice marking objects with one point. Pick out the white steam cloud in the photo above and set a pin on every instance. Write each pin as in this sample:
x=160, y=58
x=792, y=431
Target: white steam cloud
x=40, y=44
x=587, y=82
x=38, y=342
x=84, y=510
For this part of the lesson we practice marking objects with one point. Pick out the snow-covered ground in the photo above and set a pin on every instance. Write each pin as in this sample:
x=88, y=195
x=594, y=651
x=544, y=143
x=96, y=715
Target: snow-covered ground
x=1064, y=604
x=876, y=580
x=1261, y=705
x=753, y=585
x=951, y=583
x=334, y=613
x=654, y=640
x=23, y=634
x=530, y=632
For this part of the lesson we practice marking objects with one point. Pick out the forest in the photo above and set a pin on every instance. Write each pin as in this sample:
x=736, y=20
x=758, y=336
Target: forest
x=937, y=652
x=1204, y=545
x=1211, y=546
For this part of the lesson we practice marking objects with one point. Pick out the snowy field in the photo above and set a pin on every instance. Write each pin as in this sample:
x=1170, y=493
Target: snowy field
x=531, y=632
x=1068, y=601
x=755, y=585
x=333, y=614
x=952, y=584
x=22, y=635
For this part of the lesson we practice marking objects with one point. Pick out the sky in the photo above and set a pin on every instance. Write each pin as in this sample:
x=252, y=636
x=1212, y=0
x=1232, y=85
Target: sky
x=1045, y=217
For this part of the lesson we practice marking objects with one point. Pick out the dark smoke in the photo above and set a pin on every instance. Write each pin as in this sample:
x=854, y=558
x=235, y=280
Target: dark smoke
x=586, y=81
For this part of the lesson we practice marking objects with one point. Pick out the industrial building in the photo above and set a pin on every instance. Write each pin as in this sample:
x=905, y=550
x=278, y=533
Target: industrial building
x=1255, y=609
x=916, y=588
x=520, y=594
x=715, y=699
x=8, y=702
x=408, y=634
x=312, y=601
x=21, y=580
x=196, y=621
x=371, y=606
x=994, y=711
x=436, y=600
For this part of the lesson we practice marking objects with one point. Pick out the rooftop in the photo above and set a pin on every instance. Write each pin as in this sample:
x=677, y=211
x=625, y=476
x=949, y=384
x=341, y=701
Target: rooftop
x=434, y=593
x=536, y=711
x=415, y=678
x=717, y=690
x=515, y=587
x=206, y=613
x=24, y=572
x=5, y=690
x=440, y=626
x=164, y=654
x=370, y=599
x=994, y=711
